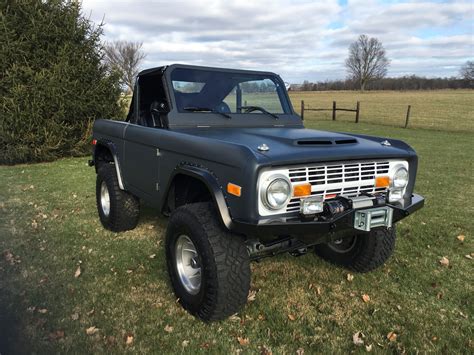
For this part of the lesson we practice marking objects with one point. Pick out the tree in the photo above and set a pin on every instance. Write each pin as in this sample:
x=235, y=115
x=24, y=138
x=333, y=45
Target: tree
x=367, y=61
x=126, y=57
x=53, y=81
x=467, y=71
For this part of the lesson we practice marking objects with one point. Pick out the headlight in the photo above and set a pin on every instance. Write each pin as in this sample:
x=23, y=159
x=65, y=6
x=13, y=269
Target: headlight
x=277, y=193
x=400, y=178
x=398, y=184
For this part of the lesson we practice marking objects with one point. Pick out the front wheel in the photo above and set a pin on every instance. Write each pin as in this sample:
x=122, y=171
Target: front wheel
x=360, y=252
x=208, y=266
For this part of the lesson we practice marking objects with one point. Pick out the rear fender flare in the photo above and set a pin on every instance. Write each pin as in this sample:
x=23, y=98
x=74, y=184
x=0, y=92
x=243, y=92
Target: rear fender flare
x=113, y=151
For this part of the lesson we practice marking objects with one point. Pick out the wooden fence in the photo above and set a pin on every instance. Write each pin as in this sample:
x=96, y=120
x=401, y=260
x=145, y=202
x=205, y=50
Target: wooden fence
x=334, y=109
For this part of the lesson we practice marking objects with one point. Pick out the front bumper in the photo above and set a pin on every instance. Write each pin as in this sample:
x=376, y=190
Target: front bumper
x=313, y=232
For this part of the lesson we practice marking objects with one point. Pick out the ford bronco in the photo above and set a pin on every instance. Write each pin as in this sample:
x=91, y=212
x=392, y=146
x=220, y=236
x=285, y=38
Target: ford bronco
x=225, y=156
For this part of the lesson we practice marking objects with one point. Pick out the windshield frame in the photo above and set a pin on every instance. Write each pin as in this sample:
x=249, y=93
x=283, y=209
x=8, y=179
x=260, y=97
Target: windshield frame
x=254, y=119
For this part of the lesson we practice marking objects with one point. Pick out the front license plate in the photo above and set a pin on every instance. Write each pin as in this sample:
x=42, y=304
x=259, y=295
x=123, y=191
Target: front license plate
x=365, y=220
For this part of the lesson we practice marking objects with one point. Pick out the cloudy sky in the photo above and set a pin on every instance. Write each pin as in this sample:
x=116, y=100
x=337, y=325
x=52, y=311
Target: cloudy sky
x=299, y=39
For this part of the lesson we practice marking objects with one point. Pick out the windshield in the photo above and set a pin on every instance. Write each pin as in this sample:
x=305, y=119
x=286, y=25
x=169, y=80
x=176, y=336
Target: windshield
x=200, y=90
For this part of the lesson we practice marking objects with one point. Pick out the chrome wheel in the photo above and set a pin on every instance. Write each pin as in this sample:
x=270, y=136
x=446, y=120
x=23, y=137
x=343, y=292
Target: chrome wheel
x=104, y=199
x=188, y=264
x=343, y=245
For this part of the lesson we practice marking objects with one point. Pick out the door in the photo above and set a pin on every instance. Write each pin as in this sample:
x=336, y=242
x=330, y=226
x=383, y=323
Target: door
x=142, y=161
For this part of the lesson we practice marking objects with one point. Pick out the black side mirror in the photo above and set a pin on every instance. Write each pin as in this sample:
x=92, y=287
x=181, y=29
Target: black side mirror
x=159, y=107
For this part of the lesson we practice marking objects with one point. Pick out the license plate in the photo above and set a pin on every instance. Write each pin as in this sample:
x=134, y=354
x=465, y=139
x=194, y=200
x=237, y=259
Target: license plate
x=365, y=220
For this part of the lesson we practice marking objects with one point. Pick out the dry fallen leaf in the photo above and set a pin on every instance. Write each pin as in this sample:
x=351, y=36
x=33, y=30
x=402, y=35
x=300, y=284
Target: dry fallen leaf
x=392, y=336
x=185, y=343
x=467, y=256
x=291, y=317
x=252, y=295
x=75, y=316
x=92, y=330
x=42, y=310
x=350, y=277
x=129, y=339
x=235, y=318
x=365, y=298
x=9, y=257
x=168, y=328
x=243, y=341
x=91, y=312
x=357, y=338
x=265, y=351
x=205, y=346
x=461, y=237
x=58, y=334
x=368, y=348
x=152, y=256
x=444, y=261
x=300, y=351
x=78, y=272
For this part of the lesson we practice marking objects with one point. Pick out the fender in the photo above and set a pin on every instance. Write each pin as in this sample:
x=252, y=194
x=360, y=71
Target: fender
x=113, y=150
x=206, y=177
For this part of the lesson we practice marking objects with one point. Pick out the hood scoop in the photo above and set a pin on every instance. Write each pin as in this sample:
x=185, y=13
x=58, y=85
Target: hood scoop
x=325, y=141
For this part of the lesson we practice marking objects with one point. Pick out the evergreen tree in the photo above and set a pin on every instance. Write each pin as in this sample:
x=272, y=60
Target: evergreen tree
x=53, y=80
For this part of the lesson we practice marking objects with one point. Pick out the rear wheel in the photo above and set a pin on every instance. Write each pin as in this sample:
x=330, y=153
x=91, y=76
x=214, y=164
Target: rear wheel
x=208, y=266
x=118, y=210
x=360, y=252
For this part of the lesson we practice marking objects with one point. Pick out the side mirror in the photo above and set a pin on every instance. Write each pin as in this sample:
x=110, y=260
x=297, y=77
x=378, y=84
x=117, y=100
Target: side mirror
x=159, y=107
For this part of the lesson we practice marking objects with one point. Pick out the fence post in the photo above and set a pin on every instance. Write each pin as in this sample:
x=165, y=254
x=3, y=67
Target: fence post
x=334, y=110
x=357, y=111
x=408, y=116
x=302, y=110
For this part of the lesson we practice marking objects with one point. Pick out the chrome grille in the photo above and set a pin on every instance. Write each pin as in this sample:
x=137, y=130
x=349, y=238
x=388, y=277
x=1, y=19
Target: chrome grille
x=350, y=179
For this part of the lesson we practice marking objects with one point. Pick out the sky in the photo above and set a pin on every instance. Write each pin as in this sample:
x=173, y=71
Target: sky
x=299, y=39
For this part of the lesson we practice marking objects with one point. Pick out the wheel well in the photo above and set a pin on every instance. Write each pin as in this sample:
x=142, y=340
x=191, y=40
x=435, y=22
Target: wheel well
x=184, y=190
x=102, y=155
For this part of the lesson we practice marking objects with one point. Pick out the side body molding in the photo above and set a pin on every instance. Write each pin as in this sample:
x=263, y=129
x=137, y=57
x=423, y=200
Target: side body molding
x=215, y=189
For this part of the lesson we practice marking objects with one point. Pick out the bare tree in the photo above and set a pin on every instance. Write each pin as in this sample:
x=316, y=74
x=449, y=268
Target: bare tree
x=125, y=57
x=467, y=71
x=367, y=60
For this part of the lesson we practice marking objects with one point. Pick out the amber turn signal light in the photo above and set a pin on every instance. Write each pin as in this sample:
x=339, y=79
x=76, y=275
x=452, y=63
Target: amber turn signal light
x=302, y=190
x=234, y=189
x=382, y=181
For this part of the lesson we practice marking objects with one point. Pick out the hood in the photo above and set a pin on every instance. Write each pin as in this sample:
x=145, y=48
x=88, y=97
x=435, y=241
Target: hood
x=301, y=145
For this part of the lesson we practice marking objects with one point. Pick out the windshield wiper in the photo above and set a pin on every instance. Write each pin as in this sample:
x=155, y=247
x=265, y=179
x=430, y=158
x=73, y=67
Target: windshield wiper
x=206, y=109
x=257, y=108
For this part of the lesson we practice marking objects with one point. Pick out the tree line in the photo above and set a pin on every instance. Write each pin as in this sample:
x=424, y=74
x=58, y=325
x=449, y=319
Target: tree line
x=409, y=82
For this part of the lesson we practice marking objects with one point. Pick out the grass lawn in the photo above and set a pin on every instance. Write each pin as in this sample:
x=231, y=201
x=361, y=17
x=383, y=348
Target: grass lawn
x=49, y=231
x=436, y=109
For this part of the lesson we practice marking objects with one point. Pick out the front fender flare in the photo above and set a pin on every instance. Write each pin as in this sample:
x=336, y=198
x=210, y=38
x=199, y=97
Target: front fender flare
x=210, y=181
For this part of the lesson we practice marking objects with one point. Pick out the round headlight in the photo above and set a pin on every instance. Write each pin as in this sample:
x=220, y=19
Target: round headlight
x=277, y=193
x=400, y=178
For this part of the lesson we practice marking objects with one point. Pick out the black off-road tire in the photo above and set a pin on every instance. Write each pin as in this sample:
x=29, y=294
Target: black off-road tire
x=223, y=259
x=124, y=207
x=367, y=252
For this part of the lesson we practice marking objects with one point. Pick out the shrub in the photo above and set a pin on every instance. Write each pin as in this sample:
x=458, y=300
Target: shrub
x=53, y=81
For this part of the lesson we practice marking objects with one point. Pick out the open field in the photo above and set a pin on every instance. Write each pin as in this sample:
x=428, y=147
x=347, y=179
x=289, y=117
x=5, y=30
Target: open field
x=451, y=110
x=49, y=228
